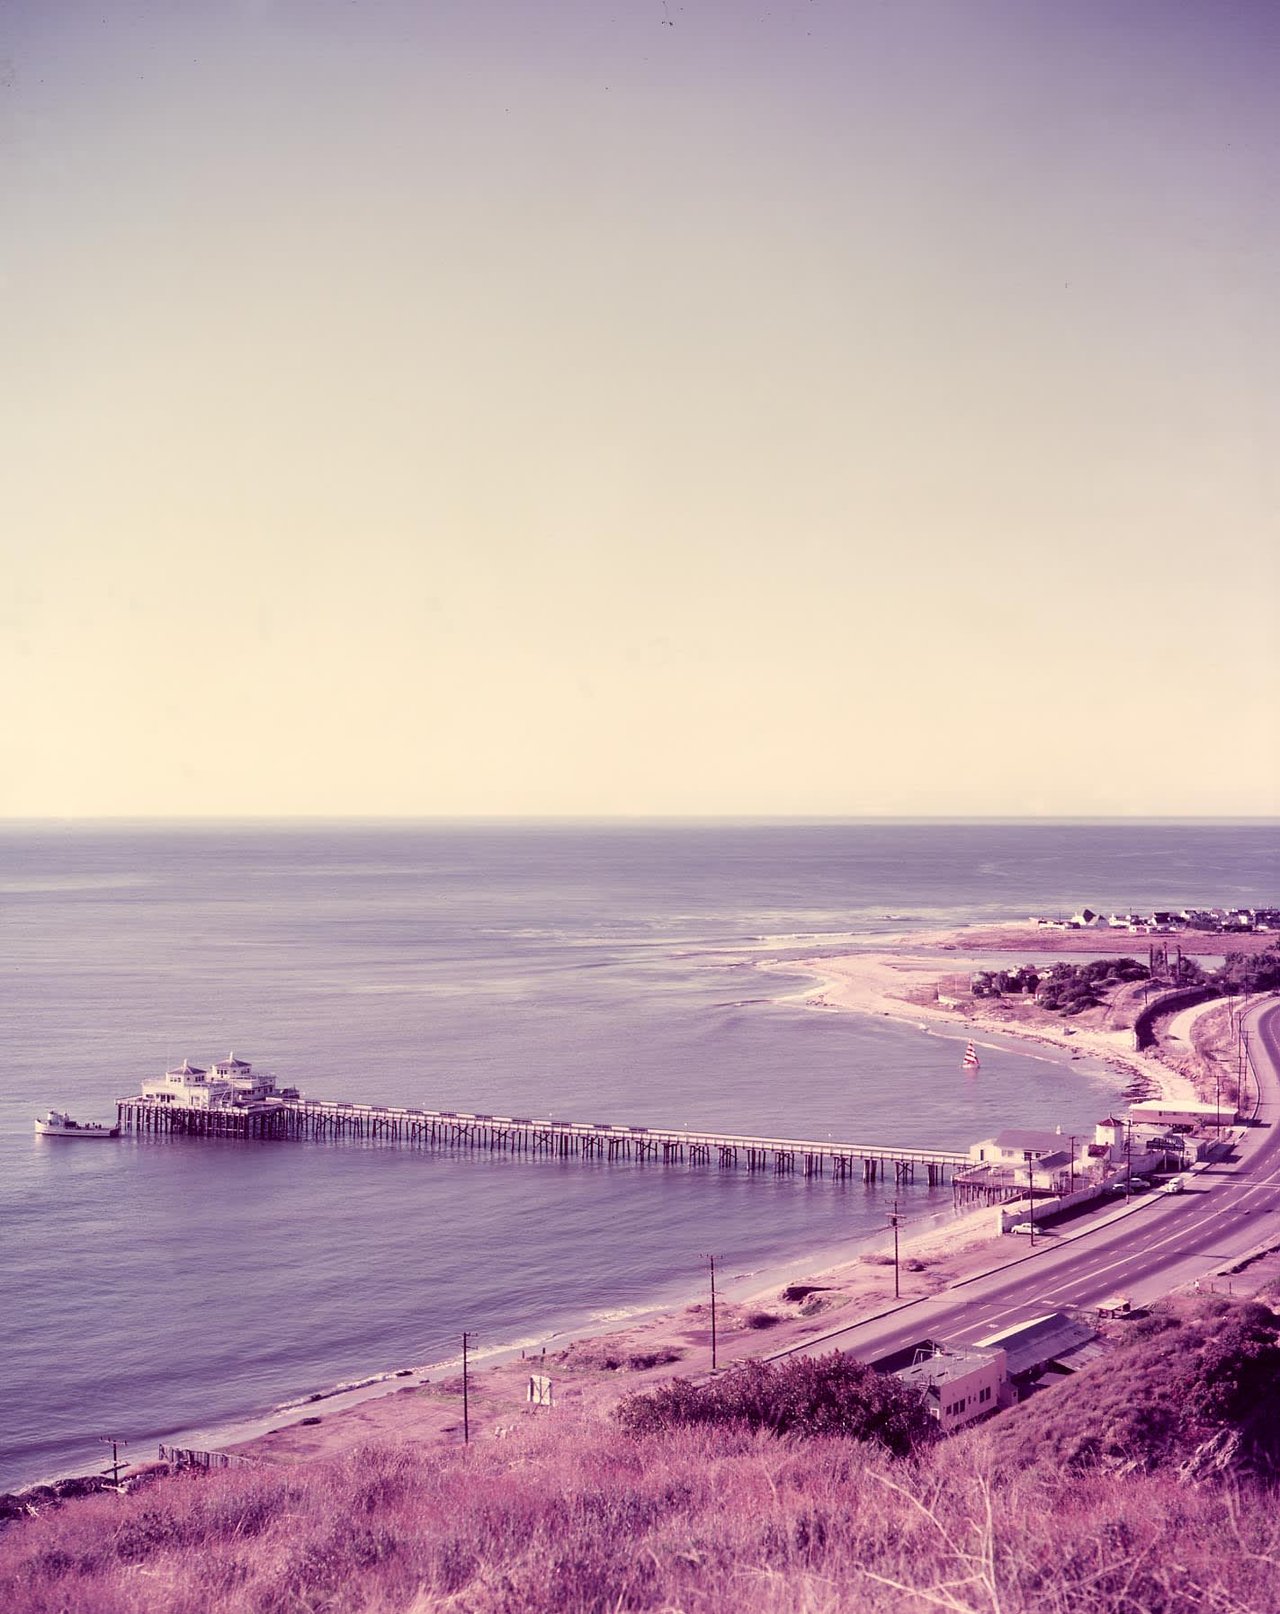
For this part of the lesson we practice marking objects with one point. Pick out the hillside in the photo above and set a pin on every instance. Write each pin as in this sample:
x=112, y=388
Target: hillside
x=564, y=1516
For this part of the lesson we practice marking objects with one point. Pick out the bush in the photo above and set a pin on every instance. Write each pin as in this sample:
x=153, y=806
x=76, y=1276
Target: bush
x=823, y=1395
x=1180, y=1385
x=638, y=1361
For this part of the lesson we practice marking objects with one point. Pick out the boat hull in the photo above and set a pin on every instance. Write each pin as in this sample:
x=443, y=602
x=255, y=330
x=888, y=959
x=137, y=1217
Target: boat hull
x=48, y=1129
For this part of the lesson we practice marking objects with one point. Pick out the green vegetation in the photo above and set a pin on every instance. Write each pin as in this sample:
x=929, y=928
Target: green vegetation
x=806, y=1396
x=1197, y=1394
x=1072, y=988
x=1006, y=983
x=1249, y=972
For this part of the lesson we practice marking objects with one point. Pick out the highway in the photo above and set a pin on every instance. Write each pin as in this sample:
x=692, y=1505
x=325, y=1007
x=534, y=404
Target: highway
x=1155, y=1243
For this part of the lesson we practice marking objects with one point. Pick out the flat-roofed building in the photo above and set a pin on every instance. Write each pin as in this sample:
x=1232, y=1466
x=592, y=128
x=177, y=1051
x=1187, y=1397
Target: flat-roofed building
x=1182, y=1112
x=958, y=1384
x=1040, y=1347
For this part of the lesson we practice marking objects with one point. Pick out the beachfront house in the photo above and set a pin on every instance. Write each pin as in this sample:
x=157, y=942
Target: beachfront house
x=1012, y=1146
x=1197, y=1113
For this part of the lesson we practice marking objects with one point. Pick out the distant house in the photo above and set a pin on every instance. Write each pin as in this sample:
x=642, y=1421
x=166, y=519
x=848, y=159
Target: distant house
x=229, y=1083
x=1183, y=1112
x=1108, y=1138
x=1011, y=1147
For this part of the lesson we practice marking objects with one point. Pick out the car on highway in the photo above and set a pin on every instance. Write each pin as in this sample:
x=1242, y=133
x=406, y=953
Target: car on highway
x=1175, y=1185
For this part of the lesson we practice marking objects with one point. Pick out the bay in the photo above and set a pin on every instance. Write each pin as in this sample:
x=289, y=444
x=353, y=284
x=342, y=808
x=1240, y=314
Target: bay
x=594, y=971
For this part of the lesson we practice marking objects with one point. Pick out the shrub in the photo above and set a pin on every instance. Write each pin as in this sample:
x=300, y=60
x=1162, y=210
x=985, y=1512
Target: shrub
x=638, y=1361
x=1207, y=1383
x=823, y=1395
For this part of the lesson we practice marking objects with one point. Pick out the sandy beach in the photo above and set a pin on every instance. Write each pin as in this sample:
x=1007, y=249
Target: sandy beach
x=908, y=978
x=591, y=1369
x=904, y=978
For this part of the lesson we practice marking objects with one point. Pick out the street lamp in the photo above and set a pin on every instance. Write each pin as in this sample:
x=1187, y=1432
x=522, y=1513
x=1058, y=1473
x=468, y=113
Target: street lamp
x=1030, y=1158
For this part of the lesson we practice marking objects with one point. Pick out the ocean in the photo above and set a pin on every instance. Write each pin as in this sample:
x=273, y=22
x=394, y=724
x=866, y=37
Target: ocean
x=160, y=1288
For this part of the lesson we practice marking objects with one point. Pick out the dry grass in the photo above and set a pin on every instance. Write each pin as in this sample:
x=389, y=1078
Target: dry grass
x=1105, y=1496
x=557, y=1520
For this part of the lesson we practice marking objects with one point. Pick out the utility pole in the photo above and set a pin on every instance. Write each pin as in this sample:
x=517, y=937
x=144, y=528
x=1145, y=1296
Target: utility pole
x=1128, y=1158
x=893, y=1223
x=711, y=1262
x=466, y=1391
x=1071, y=1185
x=1030, y=1158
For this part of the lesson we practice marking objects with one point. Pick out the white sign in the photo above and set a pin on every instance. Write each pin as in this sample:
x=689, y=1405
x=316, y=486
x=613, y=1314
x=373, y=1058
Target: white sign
x=540, y=1391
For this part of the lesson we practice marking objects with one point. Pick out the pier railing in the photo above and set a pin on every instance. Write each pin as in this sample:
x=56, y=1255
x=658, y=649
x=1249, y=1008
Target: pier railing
x=518, y=1134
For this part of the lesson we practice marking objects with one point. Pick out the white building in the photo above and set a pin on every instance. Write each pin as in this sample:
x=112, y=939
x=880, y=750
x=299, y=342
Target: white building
x=957, y=1385
x=1012, y=1146
x=230, y=1083
x=1183, y=1112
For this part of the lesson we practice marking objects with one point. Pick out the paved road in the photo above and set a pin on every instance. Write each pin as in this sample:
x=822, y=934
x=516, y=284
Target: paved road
x=1144, y=1249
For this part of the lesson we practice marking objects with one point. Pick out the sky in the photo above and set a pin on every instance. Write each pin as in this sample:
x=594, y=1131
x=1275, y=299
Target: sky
x=639, y=408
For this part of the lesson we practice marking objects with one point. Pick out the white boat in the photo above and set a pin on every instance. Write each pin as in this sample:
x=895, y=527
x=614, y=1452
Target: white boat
x=58, y=1124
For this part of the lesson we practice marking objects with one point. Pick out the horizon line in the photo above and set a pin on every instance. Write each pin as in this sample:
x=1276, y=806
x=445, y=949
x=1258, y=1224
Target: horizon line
x=12, y=820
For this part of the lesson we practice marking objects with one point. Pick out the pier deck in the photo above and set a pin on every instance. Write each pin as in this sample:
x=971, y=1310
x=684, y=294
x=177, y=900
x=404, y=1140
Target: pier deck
x=515, y=1134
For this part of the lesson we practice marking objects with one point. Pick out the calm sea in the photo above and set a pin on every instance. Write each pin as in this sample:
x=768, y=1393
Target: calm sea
x=158, y=1286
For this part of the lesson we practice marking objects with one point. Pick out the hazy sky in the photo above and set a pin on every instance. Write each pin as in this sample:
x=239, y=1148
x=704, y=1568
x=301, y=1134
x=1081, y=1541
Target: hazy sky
x=483, y=406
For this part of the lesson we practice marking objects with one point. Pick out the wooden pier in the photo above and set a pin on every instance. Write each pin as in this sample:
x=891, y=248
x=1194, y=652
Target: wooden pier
x=525, y=1135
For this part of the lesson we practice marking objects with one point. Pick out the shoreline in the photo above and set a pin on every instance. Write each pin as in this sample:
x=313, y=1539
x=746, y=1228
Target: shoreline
x=422, y=1402
x=849, y=1275
x=875, y=980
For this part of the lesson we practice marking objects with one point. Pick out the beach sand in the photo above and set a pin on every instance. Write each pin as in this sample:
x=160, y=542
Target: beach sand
x=757, y=1314
x=592, y=1369
x=903, y=979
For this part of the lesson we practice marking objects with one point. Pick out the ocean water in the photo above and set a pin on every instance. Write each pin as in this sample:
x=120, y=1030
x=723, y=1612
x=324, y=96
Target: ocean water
x=157, y=1286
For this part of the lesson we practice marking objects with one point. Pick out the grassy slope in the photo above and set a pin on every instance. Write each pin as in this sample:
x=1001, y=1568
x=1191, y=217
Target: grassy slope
x=569, y=1516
